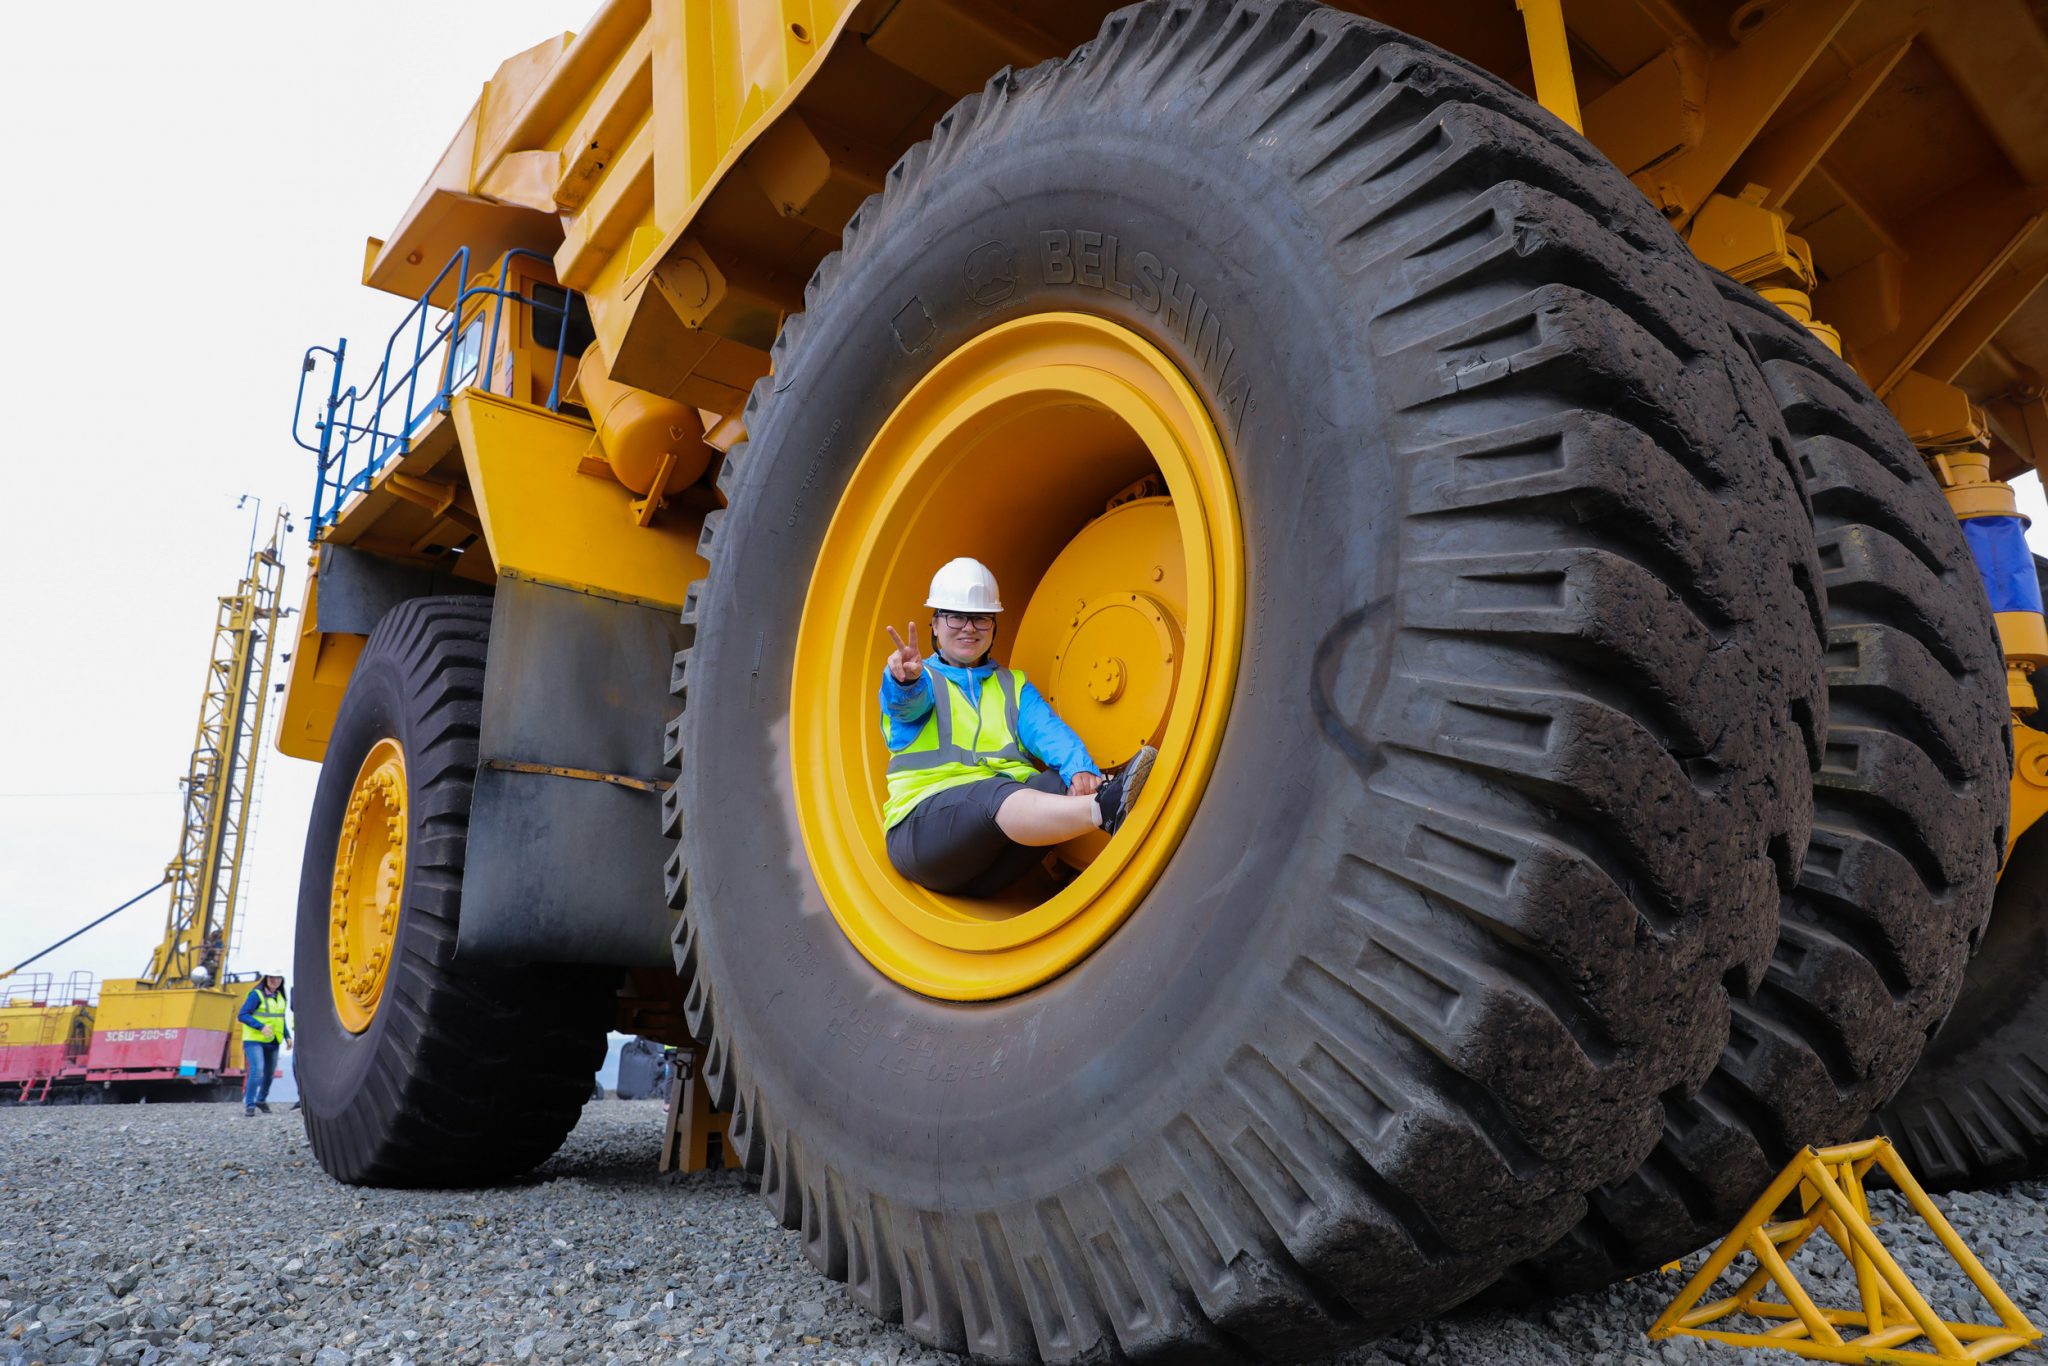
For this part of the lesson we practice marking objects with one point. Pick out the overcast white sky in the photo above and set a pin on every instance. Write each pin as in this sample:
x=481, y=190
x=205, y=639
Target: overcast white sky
x=186, y=213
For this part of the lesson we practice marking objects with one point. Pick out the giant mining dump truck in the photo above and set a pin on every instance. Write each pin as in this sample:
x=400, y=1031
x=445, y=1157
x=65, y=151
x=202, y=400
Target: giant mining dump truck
x=1534, y=473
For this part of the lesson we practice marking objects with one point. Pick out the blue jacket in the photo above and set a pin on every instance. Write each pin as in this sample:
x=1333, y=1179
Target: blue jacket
x=249, y=1017
x=1050, y=740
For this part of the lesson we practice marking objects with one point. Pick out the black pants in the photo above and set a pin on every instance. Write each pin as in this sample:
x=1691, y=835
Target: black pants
x=950, y=841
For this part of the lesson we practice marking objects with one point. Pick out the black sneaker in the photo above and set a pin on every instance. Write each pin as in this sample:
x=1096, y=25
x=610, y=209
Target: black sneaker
x=1115, y=798
x=248, y=1112
x=264, y=1106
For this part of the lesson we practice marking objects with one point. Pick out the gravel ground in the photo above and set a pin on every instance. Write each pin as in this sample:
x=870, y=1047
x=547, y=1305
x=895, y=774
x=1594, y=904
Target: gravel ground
x=183, y=1233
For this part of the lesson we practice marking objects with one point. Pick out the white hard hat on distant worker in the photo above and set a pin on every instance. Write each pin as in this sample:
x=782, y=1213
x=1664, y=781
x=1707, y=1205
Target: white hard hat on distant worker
x=964, y=585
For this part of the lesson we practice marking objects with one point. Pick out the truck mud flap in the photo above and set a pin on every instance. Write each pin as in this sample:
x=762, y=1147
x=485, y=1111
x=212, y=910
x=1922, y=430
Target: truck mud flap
x=565, y=843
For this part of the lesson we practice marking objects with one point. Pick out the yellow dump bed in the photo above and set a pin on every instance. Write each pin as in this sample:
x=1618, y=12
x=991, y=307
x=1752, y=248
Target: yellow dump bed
x=686, y=166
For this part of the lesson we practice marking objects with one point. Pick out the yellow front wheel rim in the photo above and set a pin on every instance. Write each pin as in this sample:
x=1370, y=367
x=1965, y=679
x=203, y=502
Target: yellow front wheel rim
x=1000, y=453
x=369, y=884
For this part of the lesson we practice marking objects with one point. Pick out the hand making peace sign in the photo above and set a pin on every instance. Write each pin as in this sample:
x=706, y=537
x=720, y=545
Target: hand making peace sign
x=906, y=662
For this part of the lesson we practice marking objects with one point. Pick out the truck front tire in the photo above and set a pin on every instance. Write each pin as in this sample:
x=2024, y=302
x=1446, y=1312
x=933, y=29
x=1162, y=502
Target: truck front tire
x=439, y=1074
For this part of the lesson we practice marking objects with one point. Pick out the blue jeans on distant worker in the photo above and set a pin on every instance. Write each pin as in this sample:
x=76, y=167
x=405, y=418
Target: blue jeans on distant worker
x=261, y=1060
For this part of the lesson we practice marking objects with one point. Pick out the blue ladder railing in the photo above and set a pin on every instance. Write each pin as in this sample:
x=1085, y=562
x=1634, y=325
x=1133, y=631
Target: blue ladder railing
x=356, y=437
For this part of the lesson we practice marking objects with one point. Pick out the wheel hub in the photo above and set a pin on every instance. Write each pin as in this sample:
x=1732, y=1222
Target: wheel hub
x=1009, y=451
x=369, y=886
x=1102, y=638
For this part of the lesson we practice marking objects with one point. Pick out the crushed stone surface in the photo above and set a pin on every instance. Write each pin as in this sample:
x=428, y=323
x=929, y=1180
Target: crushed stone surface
x=186, y=1233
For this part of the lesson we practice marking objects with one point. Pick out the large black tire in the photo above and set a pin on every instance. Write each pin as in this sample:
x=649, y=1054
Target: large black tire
x=1909, y=822
x=1515, y=764
x=466, y=1074
x=1975, y=1110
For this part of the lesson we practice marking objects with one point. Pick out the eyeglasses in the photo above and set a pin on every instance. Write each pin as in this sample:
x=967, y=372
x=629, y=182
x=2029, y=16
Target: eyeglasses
x=960, y=621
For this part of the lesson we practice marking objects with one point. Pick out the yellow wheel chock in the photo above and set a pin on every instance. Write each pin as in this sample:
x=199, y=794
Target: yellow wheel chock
x=686, y=1142
x=1893, y=1313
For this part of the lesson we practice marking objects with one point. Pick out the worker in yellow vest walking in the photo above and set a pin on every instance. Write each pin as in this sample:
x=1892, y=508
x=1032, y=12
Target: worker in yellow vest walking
x=264, y=1028
x=968, y=809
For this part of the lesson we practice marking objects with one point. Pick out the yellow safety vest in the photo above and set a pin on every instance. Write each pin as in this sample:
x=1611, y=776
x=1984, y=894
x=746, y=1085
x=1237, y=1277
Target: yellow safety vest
x=963, y=741
x=270, y=1010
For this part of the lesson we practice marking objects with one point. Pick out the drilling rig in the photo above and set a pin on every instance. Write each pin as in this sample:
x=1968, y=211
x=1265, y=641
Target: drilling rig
x=172, y=1028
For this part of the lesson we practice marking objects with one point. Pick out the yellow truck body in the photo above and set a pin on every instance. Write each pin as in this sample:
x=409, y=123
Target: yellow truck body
x=686, y=166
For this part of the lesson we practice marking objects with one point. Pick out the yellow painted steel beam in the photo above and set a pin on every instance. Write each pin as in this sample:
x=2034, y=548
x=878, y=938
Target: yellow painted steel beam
x=1786, y=153
x=547, y=521
x=720, y=71
x=617, y=207
x=1896, y=306
x=2029, y=782
x=1845, y=199
x=619, y=109
x=1973, y=327
x=1738, y=89
x=1999, y=52
x=1655, y=112
x=322, y=664
x=2019, y=427
x=953, y=45
x=1550, y=60
x=585, y=57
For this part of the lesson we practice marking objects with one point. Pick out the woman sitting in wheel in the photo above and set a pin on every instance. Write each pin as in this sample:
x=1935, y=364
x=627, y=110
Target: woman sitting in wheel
x=968, y=811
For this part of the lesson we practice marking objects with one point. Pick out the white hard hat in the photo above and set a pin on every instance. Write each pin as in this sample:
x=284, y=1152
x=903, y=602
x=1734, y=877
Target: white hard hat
x=964, y=585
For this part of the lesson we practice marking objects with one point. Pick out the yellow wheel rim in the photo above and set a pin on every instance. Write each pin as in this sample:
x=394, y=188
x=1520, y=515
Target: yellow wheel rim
x=369, y=881
x=1009, y=451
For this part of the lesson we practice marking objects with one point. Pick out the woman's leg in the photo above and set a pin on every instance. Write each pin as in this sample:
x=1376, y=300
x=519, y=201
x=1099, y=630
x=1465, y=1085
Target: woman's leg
x=1036, y=818
x=1016, y=859
x=950, y=838
x=255, y=1064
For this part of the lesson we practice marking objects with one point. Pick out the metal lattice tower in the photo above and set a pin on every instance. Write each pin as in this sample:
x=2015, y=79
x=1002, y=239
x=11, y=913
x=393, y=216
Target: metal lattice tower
x=205, y=877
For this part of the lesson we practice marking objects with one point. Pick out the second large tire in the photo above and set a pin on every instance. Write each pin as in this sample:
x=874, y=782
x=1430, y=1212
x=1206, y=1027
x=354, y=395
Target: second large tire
x=1910, y=804
x=1975, y=1109
x=465, y=1074
x=1514, y=766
